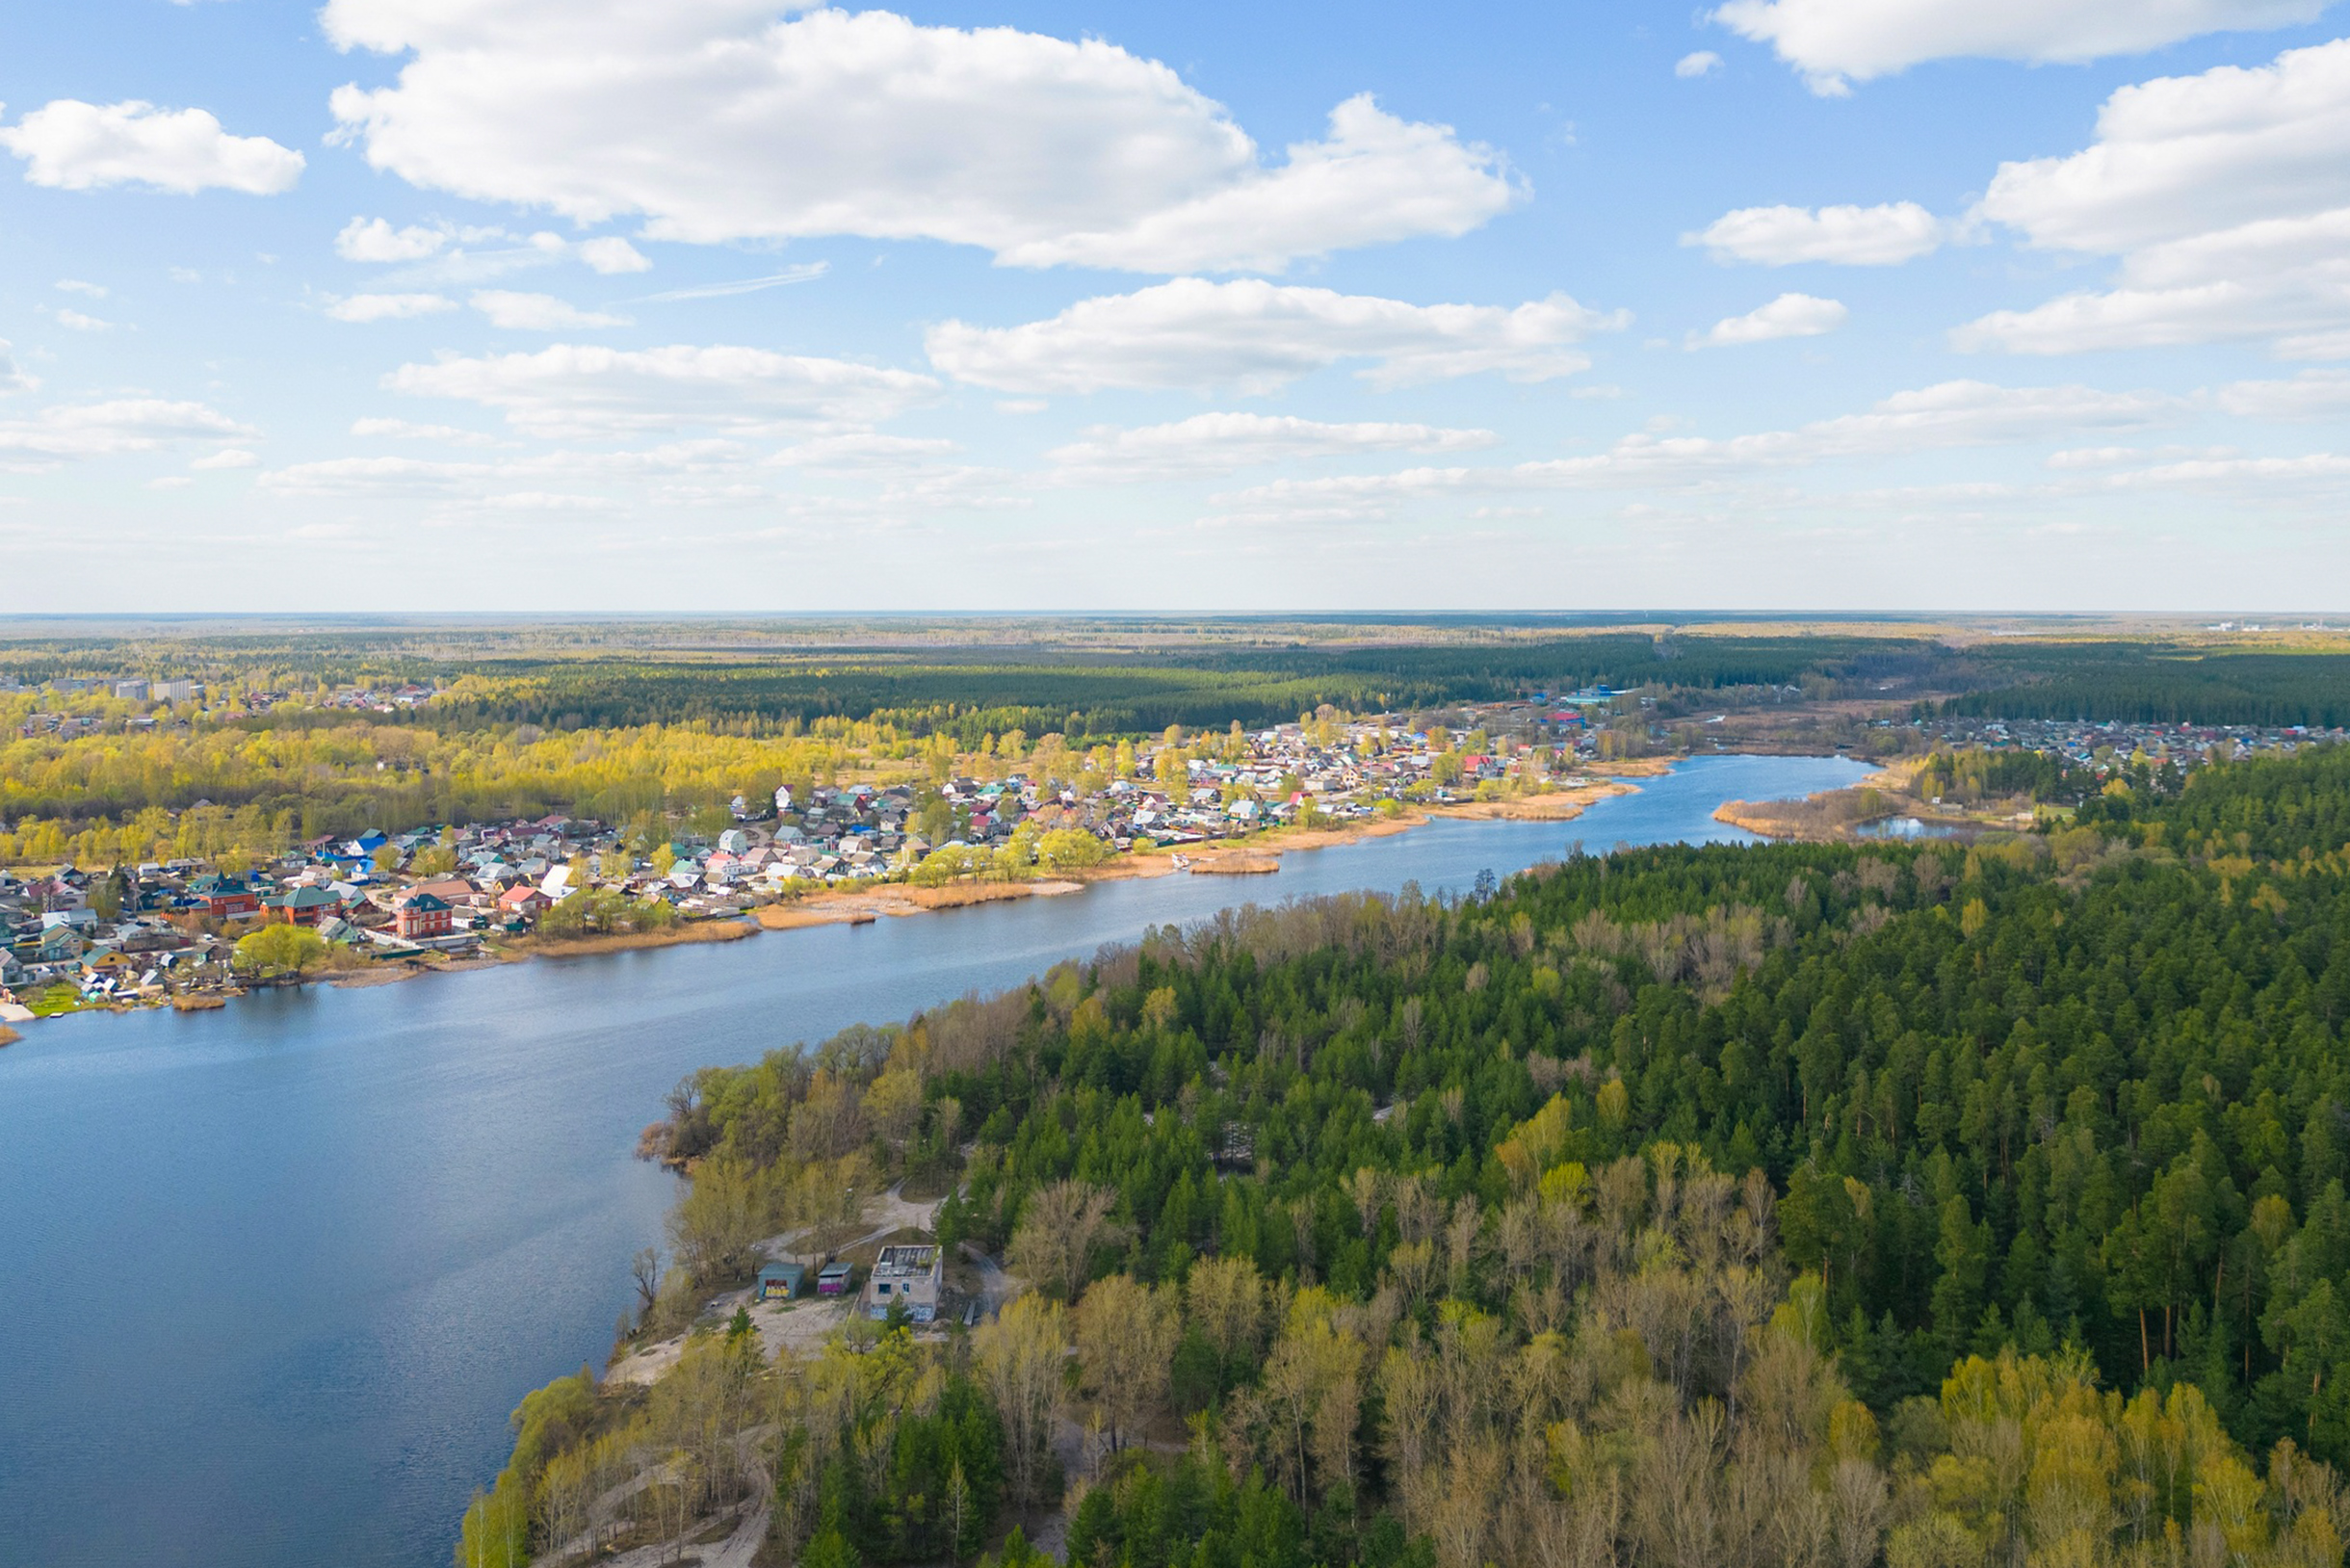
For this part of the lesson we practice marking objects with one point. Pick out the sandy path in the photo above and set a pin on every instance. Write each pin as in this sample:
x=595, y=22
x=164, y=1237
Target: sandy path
x=734, y=1551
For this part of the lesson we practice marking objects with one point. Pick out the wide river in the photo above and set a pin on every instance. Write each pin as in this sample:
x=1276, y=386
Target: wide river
x=275, y=1276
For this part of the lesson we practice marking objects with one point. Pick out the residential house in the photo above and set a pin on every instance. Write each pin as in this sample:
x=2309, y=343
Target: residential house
x=224, y=898
x=302, y=906
x=106, y=963
x=523, y=902
x=421, y=915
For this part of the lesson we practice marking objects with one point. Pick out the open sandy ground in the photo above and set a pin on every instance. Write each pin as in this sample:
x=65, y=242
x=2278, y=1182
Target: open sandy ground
x=801, y=1325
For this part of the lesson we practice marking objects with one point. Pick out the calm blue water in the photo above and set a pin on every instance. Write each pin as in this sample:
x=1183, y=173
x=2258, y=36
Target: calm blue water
x=275, y=1275
x=1907, y=828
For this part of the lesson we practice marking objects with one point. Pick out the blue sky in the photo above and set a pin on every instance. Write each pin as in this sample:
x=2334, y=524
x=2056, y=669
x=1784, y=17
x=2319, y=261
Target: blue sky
x=580, y=305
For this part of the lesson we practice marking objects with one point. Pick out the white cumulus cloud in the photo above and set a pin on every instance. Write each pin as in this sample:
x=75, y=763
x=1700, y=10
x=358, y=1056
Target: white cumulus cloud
x=1220, y=443
x=94, y=430
x=451, y=256
x=1256, y=336
x=1704, y=62
x=387, y=308
x=2313, y=394
x=227, y=458
x=80, y=323
x=13, y=376
x=1790, y=315
x=2224, y=197
x=539, y=313
x=73, y=145
x=712, y=120
x=862, y=451
x=1832, y=42
x=1881, y=236
x=577, y=388
x=403, y=430
x=2191, y=158
x=614, y=254
x=374, y=239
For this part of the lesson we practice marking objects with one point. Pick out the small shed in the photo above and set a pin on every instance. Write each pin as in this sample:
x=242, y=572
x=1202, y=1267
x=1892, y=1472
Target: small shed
x=833, y=1279
x=781, y=1282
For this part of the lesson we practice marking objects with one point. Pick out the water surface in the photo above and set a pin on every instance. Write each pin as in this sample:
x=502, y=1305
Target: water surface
x=276, y=1274
x=1908, y=828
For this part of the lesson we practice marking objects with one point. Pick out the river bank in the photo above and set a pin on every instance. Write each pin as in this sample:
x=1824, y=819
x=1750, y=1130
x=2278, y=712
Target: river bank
x=1857, y=812
x=385, y=1215
x=1259, y=854
x=1825, y=816
x=523, y=950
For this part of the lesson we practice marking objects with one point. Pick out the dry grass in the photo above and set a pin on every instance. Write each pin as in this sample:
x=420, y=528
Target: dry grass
x=901, y=899
x=580, y=947
x=1830, y=814
x=1235, y=865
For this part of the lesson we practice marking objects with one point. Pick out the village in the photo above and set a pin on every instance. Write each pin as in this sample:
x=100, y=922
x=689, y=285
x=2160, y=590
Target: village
x=182, y=931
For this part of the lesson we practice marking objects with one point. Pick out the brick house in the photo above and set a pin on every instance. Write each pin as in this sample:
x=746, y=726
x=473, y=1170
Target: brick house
x=224, y=898
x=420, y=915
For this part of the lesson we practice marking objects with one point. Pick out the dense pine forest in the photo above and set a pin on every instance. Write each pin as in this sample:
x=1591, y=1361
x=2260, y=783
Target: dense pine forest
x=1793, y=1204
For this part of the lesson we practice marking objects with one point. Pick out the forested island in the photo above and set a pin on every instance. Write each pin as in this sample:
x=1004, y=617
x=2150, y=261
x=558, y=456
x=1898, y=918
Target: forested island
x=1795, y=1204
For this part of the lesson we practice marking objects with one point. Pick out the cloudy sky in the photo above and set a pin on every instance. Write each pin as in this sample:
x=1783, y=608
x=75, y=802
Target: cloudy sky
x=597, y=305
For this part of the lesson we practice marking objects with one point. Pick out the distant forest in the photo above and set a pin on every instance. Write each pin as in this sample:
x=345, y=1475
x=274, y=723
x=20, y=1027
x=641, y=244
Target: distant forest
x=1208, y=680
